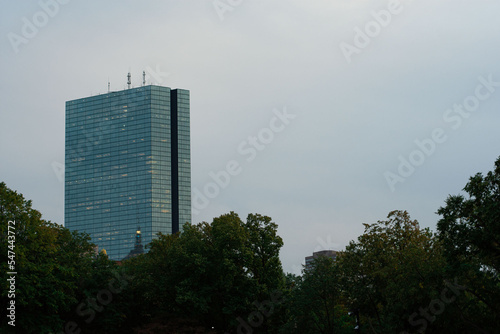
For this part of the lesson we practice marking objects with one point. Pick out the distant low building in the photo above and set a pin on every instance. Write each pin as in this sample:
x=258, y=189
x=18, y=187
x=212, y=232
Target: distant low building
x=326, y=253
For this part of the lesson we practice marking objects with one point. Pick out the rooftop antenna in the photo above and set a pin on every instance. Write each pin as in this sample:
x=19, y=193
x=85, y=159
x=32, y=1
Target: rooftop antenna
x=143, y=78
x=129, y=82
x=108, y=86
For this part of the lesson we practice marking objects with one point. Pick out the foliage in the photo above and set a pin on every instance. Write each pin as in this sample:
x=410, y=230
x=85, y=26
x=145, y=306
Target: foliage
x=60, y=282
x=50, y=261
x=470, y=232
x=316, y=305
x=211, y=272
x=393, y=270
x=226, y=276
x=103, y=299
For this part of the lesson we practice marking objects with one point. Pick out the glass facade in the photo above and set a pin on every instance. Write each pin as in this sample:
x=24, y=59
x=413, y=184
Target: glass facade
x=128, y=165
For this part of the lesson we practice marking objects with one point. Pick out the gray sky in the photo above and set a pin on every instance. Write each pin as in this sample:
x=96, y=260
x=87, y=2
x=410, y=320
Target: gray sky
x=312, y=105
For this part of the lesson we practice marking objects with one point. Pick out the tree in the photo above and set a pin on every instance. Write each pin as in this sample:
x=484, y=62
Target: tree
x=212, y=270
x=211, y=273
x=392, y=272
x=104, y=301
x=50, y=261
x=153, y=286
x=316, y=305
x=288, y=316
x=264, y=245
x=265, y=269
x=470, y=232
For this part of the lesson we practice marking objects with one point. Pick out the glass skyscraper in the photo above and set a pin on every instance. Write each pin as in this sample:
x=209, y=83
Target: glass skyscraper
x=128, y=165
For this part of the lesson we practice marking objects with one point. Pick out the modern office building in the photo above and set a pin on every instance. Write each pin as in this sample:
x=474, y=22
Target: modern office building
x=128, y=166
x=326, y=253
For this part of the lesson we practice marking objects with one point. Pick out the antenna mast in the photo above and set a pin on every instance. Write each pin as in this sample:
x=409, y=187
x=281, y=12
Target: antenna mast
x=143, y=78
x=129, y=82
x=108, y=86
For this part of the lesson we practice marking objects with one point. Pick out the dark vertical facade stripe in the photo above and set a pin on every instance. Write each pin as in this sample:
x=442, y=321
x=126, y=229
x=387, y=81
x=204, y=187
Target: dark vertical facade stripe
x=174, y=160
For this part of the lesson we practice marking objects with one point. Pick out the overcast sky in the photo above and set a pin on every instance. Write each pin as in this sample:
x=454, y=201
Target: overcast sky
x=328, y=114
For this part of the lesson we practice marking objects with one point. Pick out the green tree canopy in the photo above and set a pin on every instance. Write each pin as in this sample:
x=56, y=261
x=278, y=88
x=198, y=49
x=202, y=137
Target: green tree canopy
x=50, y=261
x=470, y=232
x=393, y=270
x=211, y=272
x=317, y=305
